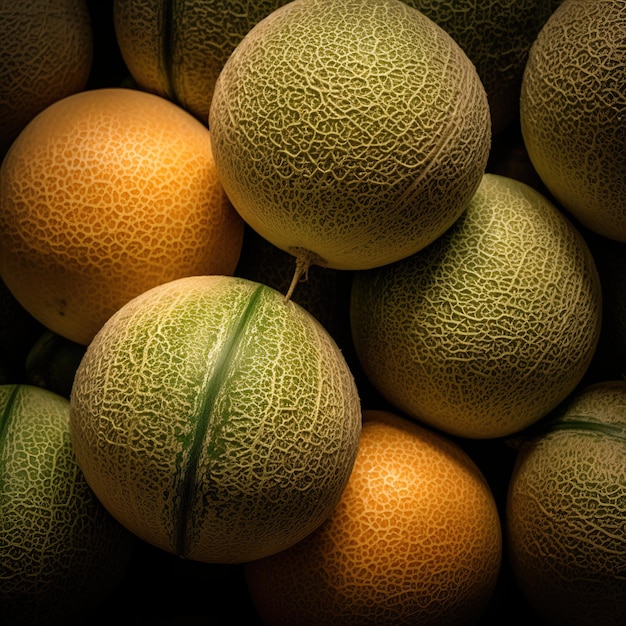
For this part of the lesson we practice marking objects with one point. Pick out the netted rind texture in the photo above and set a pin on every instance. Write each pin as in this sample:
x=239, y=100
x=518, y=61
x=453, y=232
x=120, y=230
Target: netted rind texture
x=566, y=510
x=415, y=539
x=105, y=194
x=356, y=129
x=496, y=36
x=491, y=326
x=215, y=420
x=47, y=50
x=572, y=111
x=177, y=49
x=60, y=551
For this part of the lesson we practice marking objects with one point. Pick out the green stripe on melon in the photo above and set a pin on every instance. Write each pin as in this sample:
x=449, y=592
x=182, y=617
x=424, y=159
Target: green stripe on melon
x=566, y=511
x=215, y=420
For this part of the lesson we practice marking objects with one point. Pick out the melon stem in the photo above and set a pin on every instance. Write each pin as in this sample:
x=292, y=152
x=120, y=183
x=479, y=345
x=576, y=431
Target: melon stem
x=304, y=259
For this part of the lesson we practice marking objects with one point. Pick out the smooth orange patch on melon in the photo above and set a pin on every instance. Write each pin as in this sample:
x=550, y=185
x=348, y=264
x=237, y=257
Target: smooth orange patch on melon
x=566, y=511
x=415, y=539
x=47, y=51
x=573, y=111
x=104, y=195
x=350, y=133
x=491, y=326
x=214, y=419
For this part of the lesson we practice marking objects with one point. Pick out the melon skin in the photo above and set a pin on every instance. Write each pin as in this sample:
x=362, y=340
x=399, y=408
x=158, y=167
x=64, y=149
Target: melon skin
x=356, y=131
x=47, y=52
x=61, y=553
x=572, y=107
x=496, y=36
x=215, y=420
x=565, y=514
x=105, y=194
x=177, y=49
x=415, y=539
x=489, y=328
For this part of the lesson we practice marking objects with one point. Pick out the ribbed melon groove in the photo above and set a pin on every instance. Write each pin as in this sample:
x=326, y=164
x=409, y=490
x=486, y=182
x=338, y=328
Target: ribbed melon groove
x=202, y=441
x=4, y=425
x=167, y=51
x=584, y=424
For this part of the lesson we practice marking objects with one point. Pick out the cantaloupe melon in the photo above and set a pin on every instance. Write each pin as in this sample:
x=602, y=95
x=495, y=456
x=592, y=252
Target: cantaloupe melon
x=566, y=511
x=103, y=195
x=350, y=133
x=215, y=420
x=60, y=551
x=415, y=539
x=573, y=108
x=492, y=325
x=177, y=50
x=46, y=49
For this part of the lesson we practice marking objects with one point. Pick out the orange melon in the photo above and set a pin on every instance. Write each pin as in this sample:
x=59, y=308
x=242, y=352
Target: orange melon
x=178, y=50
x=566, y=511
x=104, y=195
x=572, y=111
x=215, y=420
x=415, y=539
x=61, y=553
x=349, y=133
x=489, y=328
x=47, y=52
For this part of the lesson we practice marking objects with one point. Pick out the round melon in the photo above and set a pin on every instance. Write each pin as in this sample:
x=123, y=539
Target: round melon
x=215, y=420
x=177, y=50
x=47, y=52
x=61, y=553
x=415, y=539
x=104, y=195
x=496, y=36
x=566, y=511
x=349, y=133
x=492, y=325
x=572, y=109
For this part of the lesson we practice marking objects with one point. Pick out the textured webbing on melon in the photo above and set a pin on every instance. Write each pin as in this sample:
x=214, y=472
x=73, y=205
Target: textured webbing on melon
x=580, y=423
x=589, y=424
x=5, y=417
x=304, y=259
x=214, y=384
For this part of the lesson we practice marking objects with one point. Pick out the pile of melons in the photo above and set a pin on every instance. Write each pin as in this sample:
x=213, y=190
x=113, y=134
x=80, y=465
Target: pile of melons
x=313, y=312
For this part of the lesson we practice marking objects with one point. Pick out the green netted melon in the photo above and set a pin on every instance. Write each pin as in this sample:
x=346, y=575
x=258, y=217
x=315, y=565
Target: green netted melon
x=496, y=36
x=492, y=325
x=215, y=419
x=177, y=49
x=60, y=551
x=350, y=133
x=573, y=111
x=566, y=511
